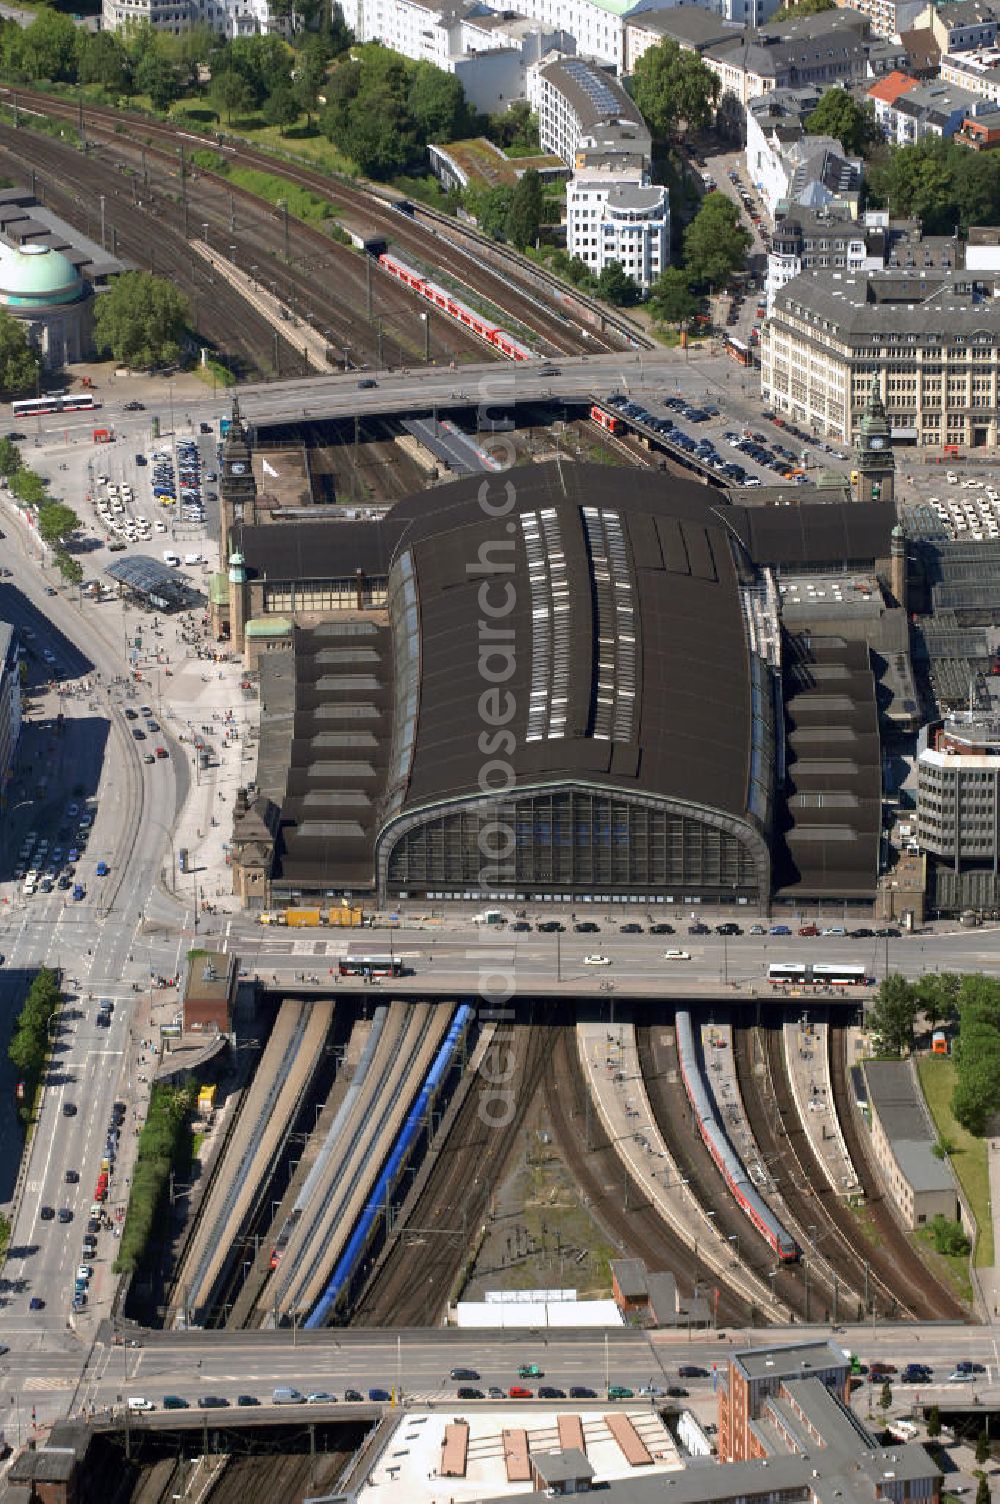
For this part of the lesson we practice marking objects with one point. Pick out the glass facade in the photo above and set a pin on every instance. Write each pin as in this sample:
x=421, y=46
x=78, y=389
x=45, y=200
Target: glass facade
x=570, y=842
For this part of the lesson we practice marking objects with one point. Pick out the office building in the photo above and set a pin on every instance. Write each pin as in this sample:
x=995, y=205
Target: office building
x=824, y=50
x=958, y=798
x=923, y=339
x=574, y=99
x=691, y=27
x=903, y=1139
x=616, y=214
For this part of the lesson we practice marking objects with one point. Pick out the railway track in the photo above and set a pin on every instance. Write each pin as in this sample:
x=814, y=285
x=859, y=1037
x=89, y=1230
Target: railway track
x=781, y=1137
x=668, y=1101
x=640, y=1231
x=74, y=183
x=891, y=1253
x=325, y=284
x=500, y=288
x=419, y=1273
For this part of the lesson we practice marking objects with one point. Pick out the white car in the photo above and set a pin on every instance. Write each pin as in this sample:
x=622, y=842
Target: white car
x=676, y=955
x=597, y=960
x=83, y=1271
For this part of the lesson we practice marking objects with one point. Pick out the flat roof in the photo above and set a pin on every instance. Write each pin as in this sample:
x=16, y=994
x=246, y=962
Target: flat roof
x=792, y=1360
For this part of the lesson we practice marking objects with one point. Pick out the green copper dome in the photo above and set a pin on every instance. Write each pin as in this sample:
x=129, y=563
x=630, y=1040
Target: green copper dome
x=36, y=275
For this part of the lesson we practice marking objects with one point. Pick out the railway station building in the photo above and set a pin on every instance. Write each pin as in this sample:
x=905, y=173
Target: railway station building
x=543, y=686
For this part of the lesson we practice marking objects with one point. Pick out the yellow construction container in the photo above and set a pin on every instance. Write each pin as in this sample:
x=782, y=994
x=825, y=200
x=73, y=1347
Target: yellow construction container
x=303, y=918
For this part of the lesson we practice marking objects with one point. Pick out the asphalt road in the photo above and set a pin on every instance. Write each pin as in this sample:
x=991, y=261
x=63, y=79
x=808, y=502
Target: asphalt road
x=638, y=963
x=197, y=1363
x=94, y=942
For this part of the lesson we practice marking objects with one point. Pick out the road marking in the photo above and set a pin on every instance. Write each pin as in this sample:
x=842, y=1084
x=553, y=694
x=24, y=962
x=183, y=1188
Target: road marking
x=45, y=1384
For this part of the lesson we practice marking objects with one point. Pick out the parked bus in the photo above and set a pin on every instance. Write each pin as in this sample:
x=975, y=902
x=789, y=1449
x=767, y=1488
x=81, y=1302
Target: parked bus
x=371, y=964
x=55, y=402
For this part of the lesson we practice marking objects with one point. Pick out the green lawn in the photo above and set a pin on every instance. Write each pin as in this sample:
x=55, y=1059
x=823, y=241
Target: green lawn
x=970, y=1159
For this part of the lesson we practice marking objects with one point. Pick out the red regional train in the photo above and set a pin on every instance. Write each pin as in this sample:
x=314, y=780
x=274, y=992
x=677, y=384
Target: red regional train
x=449, y=304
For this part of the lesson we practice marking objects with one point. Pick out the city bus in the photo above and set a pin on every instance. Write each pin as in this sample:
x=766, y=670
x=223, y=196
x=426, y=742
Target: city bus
x=818, y=974
x=738, y=351
x=55, y=402
x=371, y=964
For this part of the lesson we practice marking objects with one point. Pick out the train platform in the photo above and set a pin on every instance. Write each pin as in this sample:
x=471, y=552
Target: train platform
x=807, y=1058
x=609, y=1058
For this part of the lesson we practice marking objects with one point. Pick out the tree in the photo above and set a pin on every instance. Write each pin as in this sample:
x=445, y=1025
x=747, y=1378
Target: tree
x=933, y=1422
x=674, y=89
x=281, y=108
x=56, y=522
x=671, y=300
x=19, y=363
x=949, y=1237
x=71, y=569
x=803, y=8
x=156, y=76
x=378, y=135
x=615, y=286
x=437, y=104
x=490, y=208
x=715, y=243
x=141, y=320
x=983, y=1447
x=524, y=217
x=893, y=1014
x=840, y=116
x=983, y=1490
x=48, y=47
x=232, y=94
x=28, y=487
x=937, y=994
x=885, y=1398
x=101, y=59
x=309, y=74
x=918, y=182
x=10, y=457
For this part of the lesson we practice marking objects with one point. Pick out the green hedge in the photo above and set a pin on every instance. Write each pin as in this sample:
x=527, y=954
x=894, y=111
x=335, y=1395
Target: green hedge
x=164, y=1145
x=29, y=1045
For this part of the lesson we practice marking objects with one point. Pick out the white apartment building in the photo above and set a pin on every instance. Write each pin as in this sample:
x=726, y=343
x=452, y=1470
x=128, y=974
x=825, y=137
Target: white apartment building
x=229, y=18
x=923, y=340
x=618, y=216
x=792, y=168
x=977, y=71
x=574, y=99
x=597, y=26
x=932, y=109
x=890, y=17
x=489, y=51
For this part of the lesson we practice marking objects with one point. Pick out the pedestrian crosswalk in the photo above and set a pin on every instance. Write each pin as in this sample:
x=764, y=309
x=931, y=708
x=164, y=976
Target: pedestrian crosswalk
x=47, y=1385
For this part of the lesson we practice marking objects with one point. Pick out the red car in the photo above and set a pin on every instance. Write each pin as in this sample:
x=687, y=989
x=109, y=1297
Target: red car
x=518, y=1392
x=162, y=752
x=808, y=929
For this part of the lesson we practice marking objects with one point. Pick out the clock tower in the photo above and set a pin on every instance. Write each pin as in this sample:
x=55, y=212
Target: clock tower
x=237, y=487
x=875, y=464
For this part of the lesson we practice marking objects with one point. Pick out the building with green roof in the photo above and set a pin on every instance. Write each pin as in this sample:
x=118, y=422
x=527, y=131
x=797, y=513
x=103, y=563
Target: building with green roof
x=44, y=291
